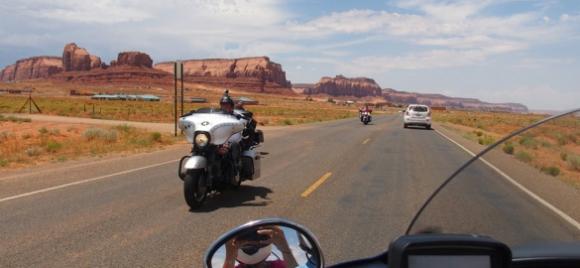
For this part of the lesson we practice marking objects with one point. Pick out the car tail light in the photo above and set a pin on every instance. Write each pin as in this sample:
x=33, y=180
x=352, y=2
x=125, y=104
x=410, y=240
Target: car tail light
x=429, y=113
x=407, y=113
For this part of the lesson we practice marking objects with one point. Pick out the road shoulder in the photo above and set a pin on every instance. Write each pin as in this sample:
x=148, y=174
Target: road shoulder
x=559, y=194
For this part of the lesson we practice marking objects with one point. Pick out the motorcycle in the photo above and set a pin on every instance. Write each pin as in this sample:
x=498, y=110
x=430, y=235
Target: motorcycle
x=434, y=239
x=365, y=117
x=222, y=155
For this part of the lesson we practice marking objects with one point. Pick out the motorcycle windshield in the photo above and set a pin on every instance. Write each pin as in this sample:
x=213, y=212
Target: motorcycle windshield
x=524, y=190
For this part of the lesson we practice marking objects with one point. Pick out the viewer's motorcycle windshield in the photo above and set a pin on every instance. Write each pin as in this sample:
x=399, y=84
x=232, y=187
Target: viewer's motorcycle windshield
x=524, y=190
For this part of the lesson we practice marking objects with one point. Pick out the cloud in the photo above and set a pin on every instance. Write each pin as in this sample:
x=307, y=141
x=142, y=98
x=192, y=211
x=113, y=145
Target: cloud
x=536, y=63
x=416, y=61
x=447, y=10
x=167, y=30
x=443, y=33
x=96, y=11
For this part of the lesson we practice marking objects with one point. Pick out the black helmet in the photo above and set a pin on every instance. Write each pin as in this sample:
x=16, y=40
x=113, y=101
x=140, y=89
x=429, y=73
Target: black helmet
x=226, y=99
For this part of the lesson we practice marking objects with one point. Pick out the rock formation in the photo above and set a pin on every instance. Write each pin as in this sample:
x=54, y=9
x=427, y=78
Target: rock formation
x=75, y=58
x=343, y=86
x=134, y=58
x=255, y=73
x=438, y=100
x=95, y=62
x=31, y=68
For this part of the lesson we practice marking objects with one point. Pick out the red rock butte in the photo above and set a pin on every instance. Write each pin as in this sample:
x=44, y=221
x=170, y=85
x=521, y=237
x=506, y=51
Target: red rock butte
x=252, y=73
x=343, y=86
x=257, y=74
x=32, y=68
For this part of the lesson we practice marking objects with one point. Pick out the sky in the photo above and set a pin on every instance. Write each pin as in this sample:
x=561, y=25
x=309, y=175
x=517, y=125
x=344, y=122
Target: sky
x=495, y=50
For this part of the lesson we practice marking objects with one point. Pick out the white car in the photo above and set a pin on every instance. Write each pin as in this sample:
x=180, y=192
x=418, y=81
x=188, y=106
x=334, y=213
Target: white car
x=417, y=115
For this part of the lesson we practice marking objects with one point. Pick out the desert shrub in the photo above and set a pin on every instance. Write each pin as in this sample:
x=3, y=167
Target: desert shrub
x=508, y=148
x=43, y=131
x=574, y=162
x=54, y=132
x=528, y=142
x=94, y=133
x=546, y=144
x=3, y=162
x=4, y=135
x=563, y=156
x=288, y=122
x=15, y=119
x=478, y=133
x=551, y=170
x=26, y=136
x=486, y=140
x=124, y=128
x=156, y=136
x=109, y=136
x=33, y=151
x=524, y=156
x=53, y=146
x=143, y=142
x=561, y=138
x=572, y=138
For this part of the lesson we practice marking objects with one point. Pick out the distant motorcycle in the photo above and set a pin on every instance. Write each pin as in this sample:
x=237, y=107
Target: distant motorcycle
x=221, y=156
x=365, y=117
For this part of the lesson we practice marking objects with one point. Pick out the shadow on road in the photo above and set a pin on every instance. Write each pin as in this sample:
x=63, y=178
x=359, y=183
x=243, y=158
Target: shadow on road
x=245, y=196
x=418, y=127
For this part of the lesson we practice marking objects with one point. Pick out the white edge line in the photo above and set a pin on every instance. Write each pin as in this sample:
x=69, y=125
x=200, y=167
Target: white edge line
x=551, y=207
x=81, y=182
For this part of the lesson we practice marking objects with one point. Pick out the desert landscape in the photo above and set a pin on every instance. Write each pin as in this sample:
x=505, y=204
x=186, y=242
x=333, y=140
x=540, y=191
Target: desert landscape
x=64, y=86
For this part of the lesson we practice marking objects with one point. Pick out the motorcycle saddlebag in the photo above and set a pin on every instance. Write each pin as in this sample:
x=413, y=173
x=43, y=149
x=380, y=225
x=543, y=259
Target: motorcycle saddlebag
x=250, y=165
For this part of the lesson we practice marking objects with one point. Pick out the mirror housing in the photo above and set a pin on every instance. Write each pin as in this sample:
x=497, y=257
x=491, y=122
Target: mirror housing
x=268, y=240
x=260, y=136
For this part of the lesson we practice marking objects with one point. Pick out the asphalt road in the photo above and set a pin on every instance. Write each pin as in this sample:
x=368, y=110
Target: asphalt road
x=133, y=214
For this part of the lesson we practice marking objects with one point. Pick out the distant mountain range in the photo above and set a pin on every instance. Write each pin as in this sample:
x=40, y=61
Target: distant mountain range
x=363, y=87
x=254, y=74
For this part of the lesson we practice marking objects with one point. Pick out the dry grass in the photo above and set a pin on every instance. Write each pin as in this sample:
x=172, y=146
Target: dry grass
x=272, y=110
x=553, y=148
x=28, y=143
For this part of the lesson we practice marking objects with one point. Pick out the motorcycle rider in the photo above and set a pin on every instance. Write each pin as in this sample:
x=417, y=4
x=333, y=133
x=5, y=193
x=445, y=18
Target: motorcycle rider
x=252, y=250
x=232, y=145
x=249, y=135
x=364, y=109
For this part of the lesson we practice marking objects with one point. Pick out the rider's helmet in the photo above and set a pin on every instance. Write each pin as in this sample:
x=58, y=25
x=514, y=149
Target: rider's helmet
x=254, y=248
x=226, y=103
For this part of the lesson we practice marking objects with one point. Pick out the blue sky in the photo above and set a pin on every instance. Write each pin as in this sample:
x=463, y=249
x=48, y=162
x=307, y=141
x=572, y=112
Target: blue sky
x=494, y=50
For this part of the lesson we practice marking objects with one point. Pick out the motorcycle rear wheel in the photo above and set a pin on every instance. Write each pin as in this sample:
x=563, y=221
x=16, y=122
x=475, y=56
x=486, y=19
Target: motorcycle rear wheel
x=195, y=188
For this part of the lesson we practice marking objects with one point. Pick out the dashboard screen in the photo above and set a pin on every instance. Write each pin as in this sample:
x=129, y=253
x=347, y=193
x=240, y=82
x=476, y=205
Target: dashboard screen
x=449, y=261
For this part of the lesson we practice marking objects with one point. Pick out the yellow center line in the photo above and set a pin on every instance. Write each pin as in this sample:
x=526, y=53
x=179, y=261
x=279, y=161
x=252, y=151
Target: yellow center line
x=316, y=184
x=366, y=141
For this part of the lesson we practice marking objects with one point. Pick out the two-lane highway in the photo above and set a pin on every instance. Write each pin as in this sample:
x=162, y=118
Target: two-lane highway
x=356, y=187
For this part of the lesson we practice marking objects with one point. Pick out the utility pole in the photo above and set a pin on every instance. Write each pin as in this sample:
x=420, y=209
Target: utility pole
x=177, y=74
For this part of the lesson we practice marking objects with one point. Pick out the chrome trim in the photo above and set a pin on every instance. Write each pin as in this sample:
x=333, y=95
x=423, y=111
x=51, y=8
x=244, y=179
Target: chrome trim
x=195, y=162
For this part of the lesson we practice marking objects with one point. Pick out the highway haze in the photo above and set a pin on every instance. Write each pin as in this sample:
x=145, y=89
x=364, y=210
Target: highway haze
x=130, y=212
